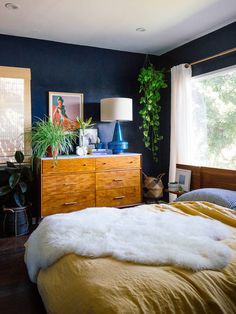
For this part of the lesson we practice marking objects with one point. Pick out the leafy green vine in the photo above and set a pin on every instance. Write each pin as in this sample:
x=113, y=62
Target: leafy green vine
x=151, y=81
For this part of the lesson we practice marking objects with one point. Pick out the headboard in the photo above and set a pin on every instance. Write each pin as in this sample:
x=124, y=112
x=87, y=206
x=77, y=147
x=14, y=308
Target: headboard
x=204, y=177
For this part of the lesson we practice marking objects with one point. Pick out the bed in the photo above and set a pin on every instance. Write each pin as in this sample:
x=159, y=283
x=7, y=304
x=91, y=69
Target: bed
x=104, y=284
x=80, y=284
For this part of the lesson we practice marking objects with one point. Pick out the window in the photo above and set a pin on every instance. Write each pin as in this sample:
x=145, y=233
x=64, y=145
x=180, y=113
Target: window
x=213, y=127
x=15, y=111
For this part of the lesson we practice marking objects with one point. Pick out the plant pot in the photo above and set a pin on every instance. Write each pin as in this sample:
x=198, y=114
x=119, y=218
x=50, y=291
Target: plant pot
x=14, y=221
x=49, y=152
x=173, y=187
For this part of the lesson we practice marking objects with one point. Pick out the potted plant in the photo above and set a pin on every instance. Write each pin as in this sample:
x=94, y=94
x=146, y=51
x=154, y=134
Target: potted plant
x=83, y=125
x=14, y=196
x=173, y=186
x=50, y=139
x=151, y=81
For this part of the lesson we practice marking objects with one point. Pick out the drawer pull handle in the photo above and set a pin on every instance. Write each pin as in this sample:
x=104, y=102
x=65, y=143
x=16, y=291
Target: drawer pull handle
x=68, y=184
x=104, y=163
x=84, y=165
x=117, y=180
x=131, y=162
x=70, y=203
x=118, y=197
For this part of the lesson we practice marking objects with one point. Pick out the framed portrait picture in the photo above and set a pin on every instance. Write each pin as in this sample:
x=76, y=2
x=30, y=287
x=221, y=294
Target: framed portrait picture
x=183, y=177
x=90, y=137
x=65, y=107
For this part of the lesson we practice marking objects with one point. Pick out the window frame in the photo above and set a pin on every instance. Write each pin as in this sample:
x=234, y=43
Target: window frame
x=208, y=75
x=214, y=73
x=25, y=74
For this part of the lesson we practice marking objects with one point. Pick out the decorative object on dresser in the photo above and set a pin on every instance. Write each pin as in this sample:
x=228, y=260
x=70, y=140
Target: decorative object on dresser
x=79, y=182
x=65, y=107
x=50, y=138
x=91, y=137
x=117, y=109
x=82, y=150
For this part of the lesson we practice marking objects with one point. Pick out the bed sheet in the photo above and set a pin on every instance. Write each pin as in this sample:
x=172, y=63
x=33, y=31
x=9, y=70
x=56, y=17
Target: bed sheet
x=76, y=284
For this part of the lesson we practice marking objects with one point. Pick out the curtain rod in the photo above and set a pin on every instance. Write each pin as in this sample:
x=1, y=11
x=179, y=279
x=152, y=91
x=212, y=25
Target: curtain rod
x=211, y=57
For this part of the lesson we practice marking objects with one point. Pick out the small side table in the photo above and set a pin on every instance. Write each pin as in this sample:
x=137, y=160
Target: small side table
x=178, y=193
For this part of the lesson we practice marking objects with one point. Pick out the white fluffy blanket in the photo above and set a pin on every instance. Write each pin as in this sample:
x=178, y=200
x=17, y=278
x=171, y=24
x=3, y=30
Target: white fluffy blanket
x=140, y=234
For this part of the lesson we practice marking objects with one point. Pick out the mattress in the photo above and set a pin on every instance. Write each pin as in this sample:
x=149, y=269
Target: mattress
x=76, y=284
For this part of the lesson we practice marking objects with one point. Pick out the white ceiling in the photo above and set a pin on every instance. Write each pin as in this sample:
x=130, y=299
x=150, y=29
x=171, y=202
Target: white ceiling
x=112, y=23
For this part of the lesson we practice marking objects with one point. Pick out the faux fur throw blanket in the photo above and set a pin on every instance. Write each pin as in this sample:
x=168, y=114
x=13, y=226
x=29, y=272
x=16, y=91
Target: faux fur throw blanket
x=140, y=234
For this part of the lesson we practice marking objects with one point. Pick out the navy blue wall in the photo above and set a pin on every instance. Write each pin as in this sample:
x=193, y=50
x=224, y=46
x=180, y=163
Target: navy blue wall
x=215, y=42
x=97, y=73
x=100, y=73
x=205, y=46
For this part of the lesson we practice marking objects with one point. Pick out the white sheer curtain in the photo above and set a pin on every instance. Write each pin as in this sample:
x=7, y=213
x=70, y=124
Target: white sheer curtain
x=181, y=117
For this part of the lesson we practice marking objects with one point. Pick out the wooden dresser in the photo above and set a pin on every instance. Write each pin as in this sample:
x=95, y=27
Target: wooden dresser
x=79, y=182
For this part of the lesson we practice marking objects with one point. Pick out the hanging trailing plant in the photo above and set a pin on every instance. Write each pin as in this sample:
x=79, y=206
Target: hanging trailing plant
x=151, y=81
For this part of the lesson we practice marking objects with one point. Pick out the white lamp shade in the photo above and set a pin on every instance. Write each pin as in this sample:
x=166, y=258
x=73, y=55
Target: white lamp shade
x=117, y=108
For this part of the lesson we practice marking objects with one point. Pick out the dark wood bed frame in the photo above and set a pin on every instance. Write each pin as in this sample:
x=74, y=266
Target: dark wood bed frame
x=204, y=177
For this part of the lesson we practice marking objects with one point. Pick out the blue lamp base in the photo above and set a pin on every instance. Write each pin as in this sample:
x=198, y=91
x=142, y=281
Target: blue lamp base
x=117, y=145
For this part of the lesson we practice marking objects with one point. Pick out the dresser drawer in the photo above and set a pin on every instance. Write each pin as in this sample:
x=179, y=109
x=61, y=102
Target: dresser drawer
x=117, y=162
x=117, y=179
x=118, y=197
x=76, y=183
x=68, y=165
x=65, y=203
x=67, y=183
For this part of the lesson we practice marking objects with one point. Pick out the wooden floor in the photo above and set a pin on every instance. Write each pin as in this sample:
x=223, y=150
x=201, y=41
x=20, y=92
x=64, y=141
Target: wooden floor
x=17, y=294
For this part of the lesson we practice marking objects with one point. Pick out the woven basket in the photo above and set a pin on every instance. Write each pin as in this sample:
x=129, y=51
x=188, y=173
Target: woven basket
x=15, y=221
x=153, y=187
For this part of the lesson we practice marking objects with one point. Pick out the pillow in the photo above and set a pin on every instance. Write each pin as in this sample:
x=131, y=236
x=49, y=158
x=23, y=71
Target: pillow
x=225, y=198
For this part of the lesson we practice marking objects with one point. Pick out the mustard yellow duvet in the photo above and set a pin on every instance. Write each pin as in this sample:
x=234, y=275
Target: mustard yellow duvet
x=76, y=284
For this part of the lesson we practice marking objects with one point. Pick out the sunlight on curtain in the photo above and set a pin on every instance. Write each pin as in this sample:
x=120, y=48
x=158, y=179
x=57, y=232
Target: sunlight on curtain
x=181, y=117
x=15, y=112
x=11, y=115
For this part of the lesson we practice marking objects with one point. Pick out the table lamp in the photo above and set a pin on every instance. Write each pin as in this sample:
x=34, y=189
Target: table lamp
x=117, y=109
